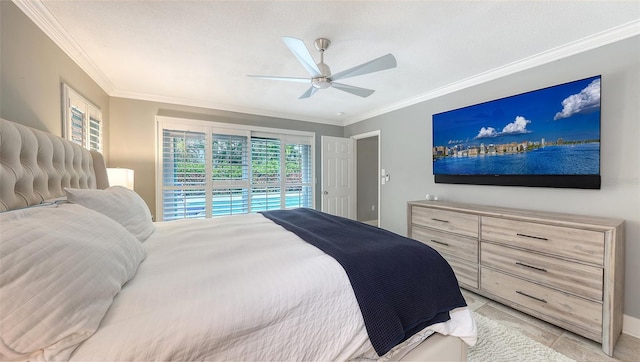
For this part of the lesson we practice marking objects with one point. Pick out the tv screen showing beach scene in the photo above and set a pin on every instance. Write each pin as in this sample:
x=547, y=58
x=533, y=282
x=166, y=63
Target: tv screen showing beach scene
x=548, y=137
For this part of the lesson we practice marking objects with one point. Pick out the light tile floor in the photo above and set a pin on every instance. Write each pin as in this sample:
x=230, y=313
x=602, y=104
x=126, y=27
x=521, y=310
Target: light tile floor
x=565, y=342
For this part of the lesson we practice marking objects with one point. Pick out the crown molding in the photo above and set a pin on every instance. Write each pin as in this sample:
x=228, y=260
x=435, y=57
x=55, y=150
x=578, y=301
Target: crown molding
x=42, y=17
x=606, y=37
x=222, y=107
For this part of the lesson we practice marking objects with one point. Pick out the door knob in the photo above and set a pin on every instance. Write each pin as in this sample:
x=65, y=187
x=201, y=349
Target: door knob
x=325, y=193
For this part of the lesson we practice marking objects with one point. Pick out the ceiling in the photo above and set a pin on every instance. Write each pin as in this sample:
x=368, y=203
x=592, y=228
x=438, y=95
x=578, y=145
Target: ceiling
x=199, y=53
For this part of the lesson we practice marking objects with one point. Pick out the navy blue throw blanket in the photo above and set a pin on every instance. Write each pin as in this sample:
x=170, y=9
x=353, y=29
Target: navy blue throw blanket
x=402, y=285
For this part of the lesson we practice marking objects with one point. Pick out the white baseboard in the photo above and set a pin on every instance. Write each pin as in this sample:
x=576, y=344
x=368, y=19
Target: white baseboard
x=631, y=326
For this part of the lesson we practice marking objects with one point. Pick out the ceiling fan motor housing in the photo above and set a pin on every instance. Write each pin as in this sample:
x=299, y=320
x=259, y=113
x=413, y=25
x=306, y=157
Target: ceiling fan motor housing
x=322, y=82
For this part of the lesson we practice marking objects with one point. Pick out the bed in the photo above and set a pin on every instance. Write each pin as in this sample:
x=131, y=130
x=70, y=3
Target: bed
x=86, y=275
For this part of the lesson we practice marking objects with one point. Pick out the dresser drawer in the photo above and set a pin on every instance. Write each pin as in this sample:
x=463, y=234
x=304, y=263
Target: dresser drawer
x=548, y=302
x=579, y=244
x=455, y=222
x=467, y=274
x=580, y=279
x=460, y=246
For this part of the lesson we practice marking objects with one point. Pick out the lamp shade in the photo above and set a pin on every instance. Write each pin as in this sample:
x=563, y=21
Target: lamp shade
x=120, y=177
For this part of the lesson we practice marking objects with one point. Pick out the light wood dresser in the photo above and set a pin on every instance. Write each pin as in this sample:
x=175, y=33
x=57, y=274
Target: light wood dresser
x=565, y=269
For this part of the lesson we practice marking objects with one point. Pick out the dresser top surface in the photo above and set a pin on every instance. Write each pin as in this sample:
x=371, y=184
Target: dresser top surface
x=557, y=218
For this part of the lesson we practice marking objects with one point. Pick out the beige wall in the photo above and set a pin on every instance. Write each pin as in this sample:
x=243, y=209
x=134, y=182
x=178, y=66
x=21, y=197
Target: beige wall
x=32, y=70
x=133, y=140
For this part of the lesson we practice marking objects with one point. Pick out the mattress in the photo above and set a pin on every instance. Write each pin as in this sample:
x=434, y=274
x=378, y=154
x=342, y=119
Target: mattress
x=240, y=288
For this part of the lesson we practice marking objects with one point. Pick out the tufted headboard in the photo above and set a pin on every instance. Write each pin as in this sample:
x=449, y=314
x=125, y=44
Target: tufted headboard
x=36, y=166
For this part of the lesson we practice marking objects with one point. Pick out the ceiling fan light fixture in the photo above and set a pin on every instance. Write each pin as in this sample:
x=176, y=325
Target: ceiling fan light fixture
x=321, y=82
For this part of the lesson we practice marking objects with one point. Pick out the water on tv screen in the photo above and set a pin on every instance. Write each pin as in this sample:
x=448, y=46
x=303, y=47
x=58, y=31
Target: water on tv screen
x=548, y=137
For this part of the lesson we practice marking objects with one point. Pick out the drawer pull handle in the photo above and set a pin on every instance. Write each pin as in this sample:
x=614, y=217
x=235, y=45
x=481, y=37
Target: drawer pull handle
x=532, y=237
x=445, y=221
x=530, y=296
x=440, y=242
x=531, y=266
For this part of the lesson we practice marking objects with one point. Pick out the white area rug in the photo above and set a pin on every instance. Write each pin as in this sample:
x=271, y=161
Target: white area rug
x=497, y=343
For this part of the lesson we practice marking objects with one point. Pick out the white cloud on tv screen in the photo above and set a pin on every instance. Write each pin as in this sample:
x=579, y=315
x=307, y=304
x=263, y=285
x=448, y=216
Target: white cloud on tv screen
x=588, y=99
x=518, y=126
x=487, y=132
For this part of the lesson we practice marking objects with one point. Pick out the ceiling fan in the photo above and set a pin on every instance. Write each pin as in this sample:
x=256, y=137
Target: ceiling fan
x=321, y=76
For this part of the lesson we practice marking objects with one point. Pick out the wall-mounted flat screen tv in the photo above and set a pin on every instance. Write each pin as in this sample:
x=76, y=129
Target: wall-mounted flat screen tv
x=548, y=138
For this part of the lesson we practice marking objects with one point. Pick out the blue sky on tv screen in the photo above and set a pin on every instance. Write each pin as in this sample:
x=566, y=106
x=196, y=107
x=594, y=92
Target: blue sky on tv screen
x=570, y=111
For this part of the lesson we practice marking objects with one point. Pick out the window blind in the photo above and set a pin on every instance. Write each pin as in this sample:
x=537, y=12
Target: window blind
x=83, y=120
x=298, y=176
x=209, y=170
x=265, y=174
x=77, y=125
x=183, y=174
x=230, y=164
x=95, y=132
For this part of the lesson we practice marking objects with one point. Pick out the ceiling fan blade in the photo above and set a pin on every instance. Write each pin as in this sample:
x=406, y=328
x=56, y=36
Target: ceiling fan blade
x=384, y=62
x=362, y=92
x=311, y=91
x=289, y=79
x=301, y=52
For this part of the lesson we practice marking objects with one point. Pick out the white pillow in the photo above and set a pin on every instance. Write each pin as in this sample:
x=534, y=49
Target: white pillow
x=119, y=203
x=60, y=269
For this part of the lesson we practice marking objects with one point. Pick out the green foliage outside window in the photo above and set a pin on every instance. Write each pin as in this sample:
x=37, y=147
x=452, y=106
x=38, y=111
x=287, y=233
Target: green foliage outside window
x=229, y=162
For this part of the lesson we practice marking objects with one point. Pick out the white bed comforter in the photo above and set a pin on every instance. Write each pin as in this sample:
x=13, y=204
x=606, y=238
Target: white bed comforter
x=237, y=288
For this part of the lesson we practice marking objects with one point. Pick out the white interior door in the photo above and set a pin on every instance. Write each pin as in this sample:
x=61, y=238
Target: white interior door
x=338, y=177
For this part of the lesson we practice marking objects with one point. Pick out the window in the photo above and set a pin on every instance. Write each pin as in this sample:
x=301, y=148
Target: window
x=82, y=120
x=213, y=169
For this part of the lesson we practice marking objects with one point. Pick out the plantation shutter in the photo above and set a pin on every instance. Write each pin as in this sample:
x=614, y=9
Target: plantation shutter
x=265, y=174
x=230, y=177
x=213, y=169
x=298, y=172
x=83, y=120
x=183, y=174
x=94, y=137
x=77, y=124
